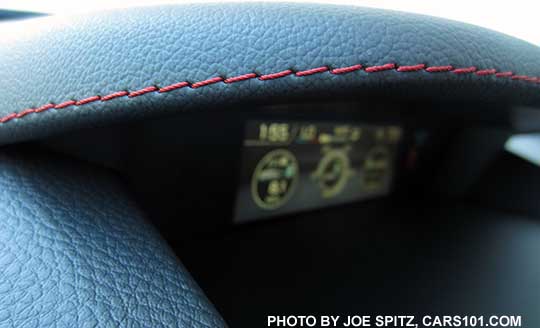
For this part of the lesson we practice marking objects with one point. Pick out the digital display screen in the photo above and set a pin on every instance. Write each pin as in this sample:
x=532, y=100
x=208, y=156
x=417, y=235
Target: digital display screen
x=293, y=166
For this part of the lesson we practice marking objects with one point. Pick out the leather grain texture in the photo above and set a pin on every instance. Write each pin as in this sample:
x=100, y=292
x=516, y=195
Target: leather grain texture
x=58, y=59
x=75, y=252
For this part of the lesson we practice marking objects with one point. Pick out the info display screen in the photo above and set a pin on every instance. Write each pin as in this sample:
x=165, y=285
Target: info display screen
x=293, y=166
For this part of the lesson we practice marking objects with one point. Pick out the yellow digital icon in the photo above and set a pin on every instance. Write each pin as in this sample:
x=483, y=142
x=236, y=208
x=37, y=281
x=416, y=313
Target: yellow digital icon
x=308, y=133
x=325, y=138
x=341, y=133
x=274, y=132
x=274, y=179
x=333, y=171
x=376, y=167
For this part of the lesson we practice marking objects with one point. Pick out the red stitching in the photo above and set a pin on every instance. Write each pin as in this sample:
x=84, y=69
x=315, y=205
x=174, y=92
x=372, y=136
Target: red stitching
x=87, y=100
x=65, y=104
x=312, y=71
x=239, y=78
x=464, y=70
x=43, y=108
x=8, y=118
x=437, y=69
x=25, y=112
x=380, y=68
x=347, y=69
x=142, y=91
x=206, y=82
x=273, y=76
x=486, y=72
x=504, y=74
x=114, y=95
x=411, y=68
x=173, y=86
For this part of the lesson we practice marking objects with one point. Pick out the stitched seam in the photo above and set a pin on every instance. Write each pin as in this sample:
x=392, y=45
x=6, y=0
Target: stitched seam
x=490, y=72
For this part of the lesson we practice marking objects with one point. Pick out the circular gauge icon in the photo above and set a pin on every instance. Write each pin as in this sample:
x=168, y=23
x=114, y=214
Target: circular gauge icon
x=274, y=179
x=333, y=172
x=376, y=167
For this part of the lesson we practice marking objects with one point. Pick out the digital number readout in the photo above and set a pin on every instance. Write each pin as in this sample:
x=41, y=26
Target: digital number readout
x=294, y=166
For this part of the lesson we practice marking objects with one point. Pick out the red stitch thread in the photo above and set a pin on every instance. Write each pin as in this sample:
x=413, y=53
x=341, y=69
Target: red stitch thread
x=65, y=104
x=275, y=75
x=504, y=74
x=114, y=95
x=348, y=69
x=312, y=71
x=240, y=78
x=464, y=70
x=271, y=76
x=25, y=112
x=87, y=100
x=379, y=68
x=206, y=82
x=142, y=91
x=8, y=117
x=486, y=72
x=411, y=68
x=44, y=108
x=436, y=69
x=174, y=86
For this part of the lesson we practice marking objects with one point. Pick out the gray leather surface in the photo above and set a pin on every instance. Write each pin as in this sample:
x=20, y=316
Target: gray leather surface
x=75, y=252
x=73, y=58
